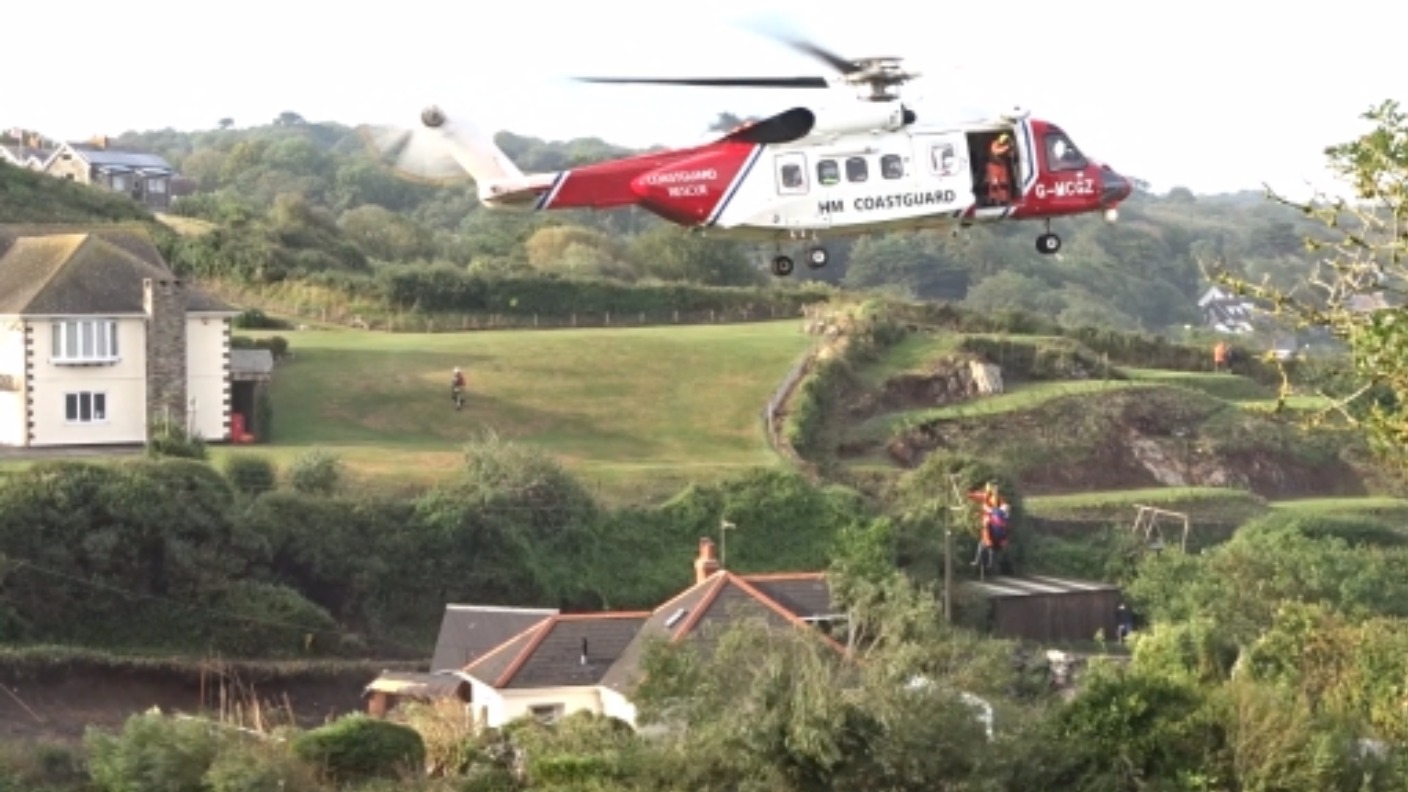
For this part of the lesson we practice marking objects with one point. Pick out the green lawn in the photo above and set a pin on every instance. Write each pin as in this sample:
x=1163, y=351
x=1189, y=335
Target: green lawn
x=636, y=412
x=1200, y=503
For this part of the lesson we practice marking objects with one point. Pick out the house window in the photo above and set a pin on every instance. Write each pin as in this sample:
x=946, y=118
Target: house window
x=156, y=186
x=547, y=712
x=85, y=341
x=85, y=407
x=119, y=183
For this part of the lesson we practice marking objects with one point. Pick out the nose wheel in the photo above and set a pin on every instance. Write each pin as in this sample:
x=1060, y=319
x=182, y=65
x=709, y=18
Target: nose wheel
x=782, y=266
x=1048, y=243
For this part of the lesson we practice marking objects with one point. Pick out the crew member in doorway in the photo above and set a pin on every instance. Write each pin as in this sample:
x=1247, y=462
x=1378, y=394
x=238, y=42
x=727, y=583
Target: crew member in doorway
x=997, y=179
x=457, y=388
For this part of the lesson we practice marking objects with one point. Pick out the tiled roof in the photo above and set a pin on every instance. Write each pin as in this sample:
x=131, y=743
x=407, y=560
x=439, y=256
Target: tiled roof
x=781, y=600
x=93, y=271
x=22, y=154
x=122, y=157
x=565, y=650
x=469, y=631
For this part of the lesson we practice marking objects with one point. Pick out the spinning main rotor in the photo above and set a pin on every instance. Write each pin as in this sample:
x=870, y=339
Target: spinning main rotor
x=881, y=77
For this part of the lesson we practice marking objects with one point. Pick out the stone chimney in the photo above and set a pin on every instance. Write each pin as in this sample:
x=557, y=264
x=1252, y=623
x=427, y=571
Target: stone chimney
x=99, y=141
x=164, y=301
x=708, y=561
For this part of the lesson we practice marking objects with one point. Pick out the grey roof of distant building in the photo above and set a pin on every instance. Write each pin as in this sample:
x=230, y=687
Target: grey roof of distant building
x=123, y=157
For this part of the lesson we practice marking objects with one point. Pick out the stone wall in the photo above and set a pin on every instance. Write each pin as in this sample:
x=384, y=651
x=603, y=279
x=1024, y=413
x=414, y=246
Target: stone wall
x=165, y=304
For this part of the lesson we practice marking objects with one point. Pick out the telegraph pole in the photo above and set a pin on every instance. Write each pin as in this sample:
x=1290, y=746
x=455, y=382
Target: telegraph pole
x=955, y=509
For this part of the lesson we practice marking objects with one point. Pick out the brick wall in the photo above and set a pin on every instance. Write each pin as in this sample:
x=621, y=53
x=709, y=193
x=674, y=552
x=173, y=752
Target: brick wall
x=165, y=304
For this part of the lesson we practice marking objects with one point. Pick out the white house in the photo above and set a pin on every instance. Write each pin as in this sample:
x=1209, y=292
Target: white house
x=98, y=337
x=1226, y=313
x=564, y=663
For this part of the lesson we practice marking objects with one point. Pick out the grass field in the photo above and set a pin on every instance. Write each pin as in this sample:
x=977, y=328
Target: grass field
x=638, y=413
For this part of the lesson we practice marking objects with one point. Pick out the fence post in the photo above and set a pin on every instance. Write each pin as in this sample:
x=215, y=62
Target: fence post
x=574, y=318
x=677, y=316
x=535, y=319
x=712, y=316
x=608, y=318
x=642, y=317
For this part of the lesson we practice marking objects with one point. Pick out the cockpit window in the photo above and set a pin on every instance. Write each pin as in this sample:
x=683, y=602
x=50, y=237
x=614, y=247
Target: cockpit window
x=1062, y=154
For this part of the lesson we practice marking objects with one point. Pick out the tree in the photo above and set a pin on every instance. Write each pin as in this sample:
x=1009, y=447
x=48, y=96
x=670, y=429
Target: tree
x=1363, y=257
x=226, y=123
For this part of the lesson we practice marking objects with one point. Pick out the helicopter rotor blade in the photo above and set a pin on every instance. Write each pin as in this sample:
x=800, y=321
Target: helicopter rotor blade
x=717, y=82
x=840, y=64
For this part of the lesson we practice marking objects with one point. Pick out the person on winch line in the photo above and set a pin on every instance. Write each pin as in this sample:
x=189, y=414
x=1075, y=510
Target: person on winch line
x=457, y=388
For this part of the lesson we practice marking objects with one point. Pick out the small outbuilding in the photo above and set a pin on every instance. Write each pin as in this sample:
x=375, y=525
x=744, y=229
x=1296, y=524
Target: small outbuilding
x=1045, y=609
x=392, y=687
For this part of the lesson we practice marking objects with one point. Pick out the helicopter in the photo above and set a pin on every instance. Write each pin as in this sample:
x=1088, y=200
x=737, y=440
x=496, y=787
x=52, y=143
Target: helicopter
x=845, y=168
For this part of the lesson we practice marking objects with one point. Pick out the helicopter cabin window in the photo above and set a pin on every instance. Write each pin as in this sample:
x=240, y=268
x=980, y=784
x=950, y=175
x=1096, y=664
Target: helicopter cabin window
x=891, y=166
x=828, y=172
x=856, y=169
x=1062, y=154
x=791, y=173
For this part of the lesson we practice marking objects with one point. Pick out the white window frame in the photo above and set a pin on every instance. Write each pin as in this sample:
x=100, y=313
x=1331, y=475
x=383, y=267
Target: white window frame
x=97, y=403
x=156, y=185
x=79, y=342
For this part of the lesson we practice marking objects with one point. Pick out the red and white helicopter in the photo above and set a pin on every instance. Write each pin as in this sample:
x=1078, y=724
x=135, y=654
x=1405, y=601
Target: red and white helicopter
x=847, y=169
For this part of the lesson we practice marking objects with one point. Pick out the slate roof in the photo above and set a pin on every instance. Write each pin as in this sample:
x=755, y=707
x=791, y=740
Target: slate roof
x=120, y=158
x=574, y=650
x=21, y=155
x=564, y=650
x=83, y=273
x=469, y=631
x=699, y=611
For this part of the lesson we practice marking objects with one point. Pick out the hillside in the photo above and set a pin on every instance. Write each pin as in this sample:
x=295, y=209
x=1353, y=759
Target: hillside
x=29, y=197
x=1083, y=435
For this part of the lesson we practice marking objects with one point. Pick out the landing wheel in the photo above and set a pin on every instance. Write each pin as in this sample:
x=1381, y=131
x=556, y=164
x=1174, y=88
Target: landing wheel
x=817, y=257
x=782, y=266
x=1048, y=243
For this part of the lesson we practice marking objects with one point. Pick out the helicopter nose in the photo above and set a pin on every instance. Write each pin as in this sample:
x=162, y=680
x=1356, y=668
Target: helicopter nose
x=1113, y=187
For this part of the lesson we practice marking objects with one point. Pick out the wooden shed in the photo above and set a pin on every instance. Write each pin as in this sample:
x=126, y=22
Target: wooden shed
x=1046, y=609
x=392, y=687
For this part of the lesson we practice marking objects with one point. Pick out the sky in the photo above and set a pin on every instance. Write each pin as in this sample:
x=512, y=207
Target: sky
x=1214, y=95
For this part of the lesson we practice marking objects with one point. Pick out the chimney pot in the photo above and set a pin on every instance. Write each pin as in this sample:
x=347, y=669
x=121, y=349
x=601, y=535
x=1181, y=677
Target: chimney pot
x=708, y=561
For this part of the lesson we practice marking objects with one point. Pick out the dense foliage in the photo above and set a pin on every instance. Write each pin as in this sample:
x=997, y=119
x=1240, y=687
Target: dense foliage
x=172, y=553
